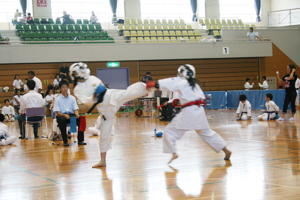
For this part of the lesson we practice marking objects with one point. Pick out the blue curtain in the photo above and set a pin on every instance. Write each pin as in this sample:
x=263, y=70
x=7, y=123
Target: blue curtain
x=194, y=9
x=113, y=5
x=24, y=6
x=257, y=8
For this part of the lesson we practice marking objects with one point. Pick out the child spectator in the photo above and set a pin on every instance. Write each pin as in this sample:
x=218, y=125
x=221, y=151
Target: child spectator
x=247, y=84
x=244, y=110
x=94, y=18
x=17, y=83
x=49, y=98
x=265, y=85
x=8, y=111
x=252, y=35
x=25, y=85
x=271, y=107
x=29, y=19
x=17, y=100
x=56, y=81
x=5, y=137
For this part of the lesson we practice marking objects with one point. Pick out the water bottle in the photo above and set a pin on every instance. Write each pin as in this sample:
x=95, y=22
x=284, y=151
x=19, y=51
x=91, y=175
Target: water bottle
x=154, y=132
x=44, y=82
x=47, y=82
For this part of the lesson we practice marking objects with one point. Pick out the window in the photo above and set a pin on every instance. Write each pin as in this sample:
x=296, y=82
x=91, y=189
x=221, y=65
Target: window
x=82, y=9
x=166, y=9
x=8, y=9
x=242, y=9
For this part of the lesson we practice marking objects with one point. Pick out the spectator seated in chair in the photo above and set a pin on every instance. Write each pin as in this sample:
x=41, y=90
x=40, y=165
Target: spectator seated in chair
x=30, y=100
x=66, y=107
x=29, y=19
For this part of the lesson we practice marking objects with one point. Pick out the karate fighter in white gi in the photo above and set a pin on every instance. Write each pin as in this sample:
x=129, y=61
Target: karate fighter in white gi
x=271, y=107
x=95, y=130
x=89, y=89
x=5, y=137
x=244, y=110
x=192, y=115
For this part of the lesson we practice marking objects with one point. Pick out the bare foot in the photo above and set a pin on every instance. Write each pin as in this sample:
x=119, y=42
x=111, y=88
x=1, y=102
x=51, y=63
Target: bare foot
x=175, y=156
x=100, y=164
x=227, y=155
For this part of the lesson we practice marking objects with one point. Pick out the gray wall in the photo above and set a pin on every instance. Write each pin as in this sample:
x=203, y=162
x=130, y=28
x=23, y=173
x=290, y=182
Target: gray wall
x=287, y=40
x=41, y=53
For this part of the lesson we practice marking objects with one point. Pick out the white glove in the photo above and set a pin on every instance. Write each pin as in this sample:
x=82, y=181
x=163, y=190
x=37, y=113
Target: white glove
x=277, y=72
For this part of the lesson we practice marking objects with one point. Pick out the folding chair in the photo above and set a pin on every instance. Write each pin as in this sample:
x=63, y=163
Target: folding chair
x=58, y=130
x=126, y=108
x=35, y=112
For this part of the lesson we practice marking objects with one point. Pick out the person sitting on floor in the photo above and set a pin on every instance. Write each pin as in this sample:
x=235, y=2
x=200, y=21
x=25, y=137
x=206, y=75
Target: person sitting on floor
x=5, y=137
x=8, y=111
x=65, y=106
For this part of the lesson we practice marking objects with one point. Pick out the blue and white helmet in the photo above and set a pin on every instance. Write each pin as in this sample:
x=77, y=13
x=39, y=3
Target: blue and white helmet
x=187, y=71
x=79, y=70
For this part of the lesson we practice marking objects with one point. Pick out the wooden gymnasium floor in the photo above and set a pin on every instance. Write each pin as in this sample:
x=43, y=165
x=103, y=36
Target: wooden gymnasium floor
x=264, y=164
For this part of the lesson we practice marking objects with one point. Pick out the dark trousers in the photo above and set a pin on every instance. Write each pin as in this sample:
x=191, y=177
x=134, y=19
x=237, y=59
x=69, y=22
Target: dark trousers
x=62, y=124
x=289, y=97
x=167, y=110
x=66, y=77
x=22, y=119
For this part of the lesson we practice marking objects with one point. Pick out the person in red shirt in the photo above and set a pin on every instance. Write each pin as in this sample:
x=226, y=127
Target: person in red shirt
x=29, y=19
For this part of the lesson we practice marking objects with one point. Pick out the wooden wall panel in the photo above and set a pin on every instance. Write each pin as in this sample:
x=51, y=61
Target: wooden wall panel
x=213, y=74
x=277, y=62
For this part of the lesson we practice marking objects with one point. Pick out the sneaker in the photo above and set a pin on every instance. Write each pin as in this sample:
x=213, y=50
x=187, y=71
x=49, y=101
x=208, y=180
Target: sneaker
x=280, y=119
x=291, y=119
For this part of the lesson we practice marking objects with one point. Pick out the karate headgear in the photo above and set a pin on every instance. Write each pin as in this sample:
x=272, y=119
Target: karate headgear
x=79, y=70
x=187, y=70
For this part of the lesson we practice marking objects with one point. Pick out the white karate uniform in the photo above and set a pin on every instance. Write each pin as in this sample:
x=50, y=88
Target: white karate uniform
x=264, y=86
x=244, y=110
x=7, y=138
x=112, y=101
x=95, y=130
x=8, y=111
x=271, y=109
x=248, y=86
x=190, y=118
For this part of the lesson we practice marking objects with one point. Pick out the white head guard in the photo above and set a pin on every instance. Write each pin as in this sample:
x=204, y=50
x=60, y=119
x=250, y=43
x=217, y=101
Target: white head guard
x=187, y=71
x=79, y=70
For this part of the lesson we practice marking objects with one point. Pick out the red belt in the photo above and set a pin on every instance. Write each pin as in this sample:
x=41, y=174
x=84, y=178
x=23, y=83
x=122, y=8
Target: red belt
x=197, y=102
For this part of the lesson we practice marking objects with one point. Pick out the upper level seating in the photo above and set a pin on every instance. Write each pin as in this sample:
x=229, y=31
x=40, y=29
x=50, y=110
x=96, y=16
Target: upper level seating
x=157, y=30
x=59, y=32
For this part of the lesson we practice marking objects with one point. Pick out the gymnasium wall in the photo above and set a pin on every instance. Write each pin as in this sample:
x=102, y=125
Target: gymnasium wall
x=287, y=40
x=283, y=5
x=44, y=53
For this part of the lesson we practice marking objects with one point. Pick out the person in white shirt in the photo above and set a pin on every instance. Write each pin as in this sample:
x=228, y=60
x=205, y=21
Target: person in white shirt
x=49, y=98
x=5, y=137
x=25, y=85
x=38, y=83
x=8, y=111
x=17, y=100
x=297, y=86
x=265, y=85
x=247, y=84
x=252, y=35
x=16, y=16
x=56, y=81
x=244, y=110
x=30, y=100
x=94, y=18
x=17, y=83
x=271, y=107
